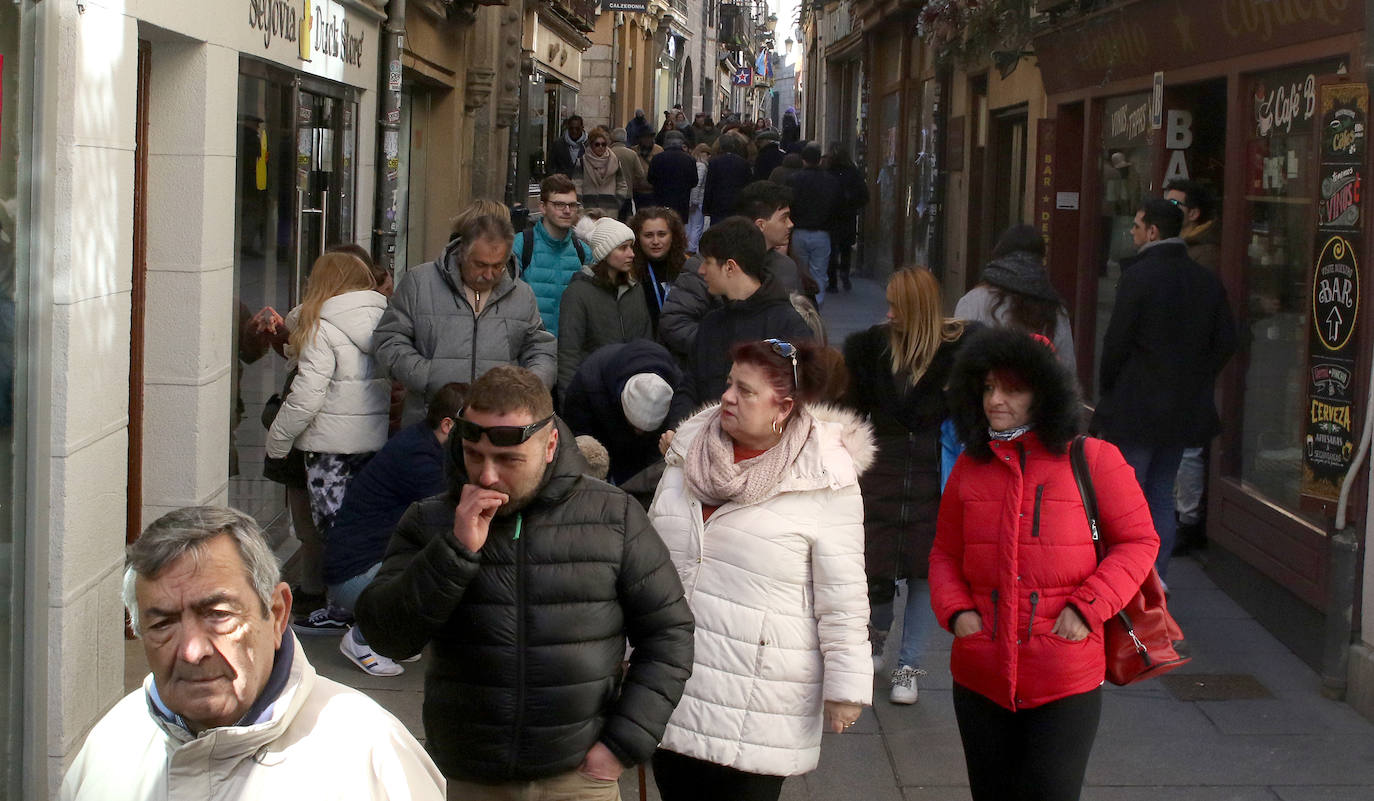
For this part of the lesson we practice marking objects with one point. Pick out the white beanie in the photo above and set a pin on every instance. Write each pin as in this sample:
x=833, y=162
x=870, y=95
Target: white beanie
x=645, y=400
x=604, y=234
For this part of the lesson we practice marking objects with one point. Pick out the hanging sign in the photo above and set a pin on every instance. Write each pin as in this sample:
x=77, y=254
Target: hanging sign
x=1046, y=199
x=1342, y=111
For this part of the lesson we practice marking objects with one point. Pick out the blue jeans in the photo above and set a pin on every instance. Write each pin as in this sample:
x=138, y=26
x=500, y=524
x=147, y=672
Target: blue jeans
x=345, y=594
x=813, y=252
x=917, y=619
x=1156, y=467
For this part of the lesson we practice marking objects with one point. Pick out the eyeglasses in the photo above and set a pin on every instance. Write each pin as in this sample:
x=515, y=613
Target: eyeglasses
x=1177, y=202
x=500, y=436
x=787, y=350
x=564, y=206
x=598, y=144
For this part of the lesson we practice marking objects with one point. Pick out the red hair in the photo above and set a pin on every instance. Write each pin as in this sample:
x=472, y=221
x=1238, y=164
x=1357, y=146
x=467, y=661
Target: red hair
x=822, y=371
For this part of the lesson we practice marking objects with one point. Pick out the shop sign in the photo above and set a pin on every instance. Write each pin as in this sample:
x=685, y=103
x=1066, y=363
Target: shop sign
x=1127, y=122
x=1342, y=111
x=319, y=36
x=1045, y=196
x=627, y=6
x=1141, y=38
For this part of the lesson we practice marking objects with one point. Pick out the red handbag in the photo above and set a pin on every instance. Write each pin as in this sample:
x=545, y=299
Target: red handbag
x=1143, y=639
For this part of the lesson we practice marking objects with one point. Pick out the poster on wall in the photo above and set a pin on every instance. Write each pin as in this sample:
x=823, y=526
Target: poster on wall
x=1342, y=112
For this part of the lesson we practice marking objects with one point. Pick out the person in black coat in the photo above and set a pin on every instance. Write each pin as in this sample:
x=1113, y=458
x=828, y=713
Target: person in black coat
x=897, y=376
x=756, y=308
x=527, y=577
x=1170, y=334
x=620, y=395
x=726, y=173
x=673, y=174
x=566, y=154
x=844, y=225
x=770, y=155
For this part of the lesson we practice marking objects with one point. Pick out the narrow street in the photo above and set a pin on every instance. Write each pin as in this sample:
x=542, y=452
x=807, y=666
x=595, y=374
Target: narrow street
x=1245, y=721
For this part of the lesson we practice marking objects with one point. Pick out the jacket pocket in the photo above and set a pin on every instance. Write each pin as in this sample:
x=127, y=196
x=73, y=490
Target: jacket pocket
x=1035, y=520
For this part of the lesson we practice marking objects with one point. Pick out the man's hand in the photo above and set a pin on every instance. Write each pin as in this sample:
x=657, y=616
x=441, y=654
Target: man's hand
x=472, y=518
x=1070, y=626
x=600, y=763
x=967, y=622
x=840, y=715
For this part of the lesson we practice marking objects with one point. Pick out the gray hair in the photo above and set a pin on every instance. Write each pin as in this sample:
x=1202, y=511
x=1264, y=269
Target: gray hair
x=188, y=531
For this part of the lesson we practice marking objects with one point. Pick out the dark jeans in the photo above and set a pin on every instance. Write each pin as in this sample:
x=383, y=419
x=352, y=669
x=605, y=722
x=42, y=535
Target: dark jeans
x=1037, y=754
x=1156, y=468
x=684, y=778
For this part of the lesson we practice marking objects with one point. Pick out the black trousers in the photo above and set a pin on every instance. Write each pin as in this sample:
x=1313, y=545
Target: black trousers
x=1037, y=754
x=684, y=778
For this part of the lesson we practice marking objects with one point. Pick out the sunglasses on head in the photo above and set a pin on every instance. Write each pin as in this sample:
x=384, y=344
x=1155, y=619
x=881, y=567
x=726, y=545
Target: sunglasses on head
x=500, y=436
x=787, y=350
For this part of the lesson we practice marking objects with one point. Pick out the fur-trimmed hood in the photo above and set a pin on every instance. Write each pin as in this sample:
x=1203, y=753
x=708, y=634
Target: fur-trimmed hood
x=1055, y=410
x=836, y=433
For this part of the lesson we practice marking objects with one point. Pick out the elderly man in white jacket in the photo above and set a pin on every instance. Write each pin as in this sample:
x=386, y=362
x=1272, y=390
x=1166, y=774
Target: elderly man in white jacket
x=232, y=709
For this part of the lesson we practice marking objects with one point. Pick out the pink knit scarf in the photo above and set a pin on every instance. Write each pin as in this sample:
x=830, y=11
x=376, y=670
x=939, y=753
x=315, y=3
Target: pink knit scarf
x=714, y=477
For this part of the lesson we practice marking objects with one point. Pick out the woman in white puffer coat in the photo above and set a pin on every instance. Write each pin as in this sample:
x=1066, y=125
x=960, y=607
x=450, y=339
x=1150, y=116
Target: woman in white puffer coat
x=336, y=411
x=760, y=508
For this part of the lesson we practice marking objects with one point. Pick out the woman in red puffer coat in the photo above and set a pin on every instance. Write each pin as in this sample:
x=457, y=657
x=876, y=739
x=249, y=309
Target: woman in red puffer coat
x=1014, y=575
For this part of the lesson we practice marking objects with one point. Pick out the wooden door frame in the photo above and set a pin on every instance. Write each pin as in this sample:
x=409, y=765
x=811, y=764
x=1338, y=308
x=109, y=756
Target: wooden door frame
x=138, y=296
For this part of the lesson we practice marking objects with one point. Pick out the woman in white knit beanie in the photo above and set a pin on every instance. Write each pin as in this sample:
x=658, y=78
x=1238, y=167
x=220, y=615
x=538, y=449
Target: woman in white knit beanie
x=603, y=304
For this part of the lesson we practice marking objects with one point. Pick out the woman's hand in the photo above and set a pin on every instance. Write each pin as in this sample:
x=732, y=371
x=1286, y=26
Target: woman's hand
x=665, y=442
x=1070, y=626
x=967, y=622
x=840, y=715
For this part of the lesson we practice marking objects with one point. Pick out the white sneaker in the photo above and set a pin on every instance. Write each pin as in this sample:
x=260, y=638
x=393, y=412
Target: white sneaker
x=904, y=684
x=364, y=657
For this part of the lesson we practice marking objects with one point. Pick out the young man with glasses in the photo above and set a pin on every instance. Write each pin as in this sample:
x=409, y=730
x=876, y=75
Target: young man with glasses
x=549, y=254
x=526, y=577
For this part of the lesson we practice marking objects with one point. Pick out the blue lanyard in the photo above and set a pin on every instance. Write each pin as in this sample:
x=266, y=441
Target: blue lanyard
x=653, y=281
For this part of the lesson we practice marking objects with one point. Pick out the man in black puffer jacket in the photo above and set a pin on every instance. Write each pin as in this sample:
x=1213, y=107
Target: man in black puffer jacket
x=526, y=591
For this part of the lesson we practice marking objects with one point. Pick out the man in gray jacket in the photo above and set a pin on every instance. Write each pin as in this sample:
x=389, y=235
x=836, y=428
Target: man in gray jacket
x=458, y=317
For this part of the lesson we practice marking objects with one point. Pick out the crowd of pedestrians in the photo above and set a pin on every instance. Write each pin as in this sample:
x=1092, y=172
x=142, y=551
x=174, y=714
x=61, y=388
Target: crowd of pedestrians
x=725, y=594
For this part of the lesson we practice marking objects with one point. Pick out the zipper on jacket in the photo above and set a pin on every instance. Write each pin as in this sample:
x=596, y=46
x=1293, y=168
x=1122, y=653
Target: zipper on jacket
x=519, y=643
x=1030, y=629
x=473, y=360
x=1035, y=520
x=995, y=612
x=1020, y=448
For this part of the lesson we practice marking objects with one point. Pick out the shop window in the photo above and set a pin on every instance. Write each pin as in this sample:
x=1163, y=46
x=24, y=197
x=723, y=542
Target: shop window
x=1126, y=161
x=1280, y=174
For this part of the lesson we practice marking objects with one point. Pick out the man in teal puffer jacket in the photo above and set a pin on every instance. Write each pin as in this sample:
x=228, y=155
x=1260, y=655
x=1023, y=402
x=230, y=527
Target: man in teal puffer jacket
x=548, y=255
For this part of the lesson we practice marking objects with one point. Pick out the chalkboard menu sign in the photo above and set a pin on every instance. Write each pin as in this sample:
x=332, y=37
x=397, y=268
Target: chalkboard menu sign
x=1342, y=112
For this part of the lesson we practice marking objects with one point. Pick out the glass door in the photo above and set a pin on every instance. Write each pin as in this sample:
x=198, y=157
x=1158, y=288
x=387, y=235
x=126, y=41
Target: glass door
x=294, y=199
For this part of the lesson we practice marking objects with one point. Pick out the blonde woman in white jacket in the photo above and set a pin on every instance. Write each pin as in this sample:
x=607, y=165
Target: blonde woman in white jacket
x=336, y=411
x=760, y=509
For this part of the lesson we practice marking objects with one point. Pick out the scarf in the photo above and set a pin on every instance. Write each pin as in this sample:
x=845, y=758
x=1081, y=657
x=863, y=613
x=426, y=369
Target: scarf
x=599, y=169
x=575, y=146
x=1008, y=435
x=714, y=477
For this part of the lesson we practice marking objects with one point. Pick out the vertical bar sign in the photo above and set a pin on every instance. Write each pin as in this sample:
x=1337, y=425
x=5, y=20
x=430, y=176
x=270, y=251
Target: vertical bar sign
x=1044, y=180
x=1329, y=443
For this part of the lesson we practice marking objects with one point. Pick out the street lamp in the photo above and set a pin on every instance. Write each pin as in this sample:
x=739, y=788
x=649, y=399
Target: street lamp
x=787, y=46
x=771, y=23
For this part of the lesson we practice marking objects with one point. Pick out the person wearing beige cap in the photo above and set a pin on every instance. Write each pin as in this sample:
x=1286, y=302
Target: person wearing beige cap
x=603, y=304
x=621, y=395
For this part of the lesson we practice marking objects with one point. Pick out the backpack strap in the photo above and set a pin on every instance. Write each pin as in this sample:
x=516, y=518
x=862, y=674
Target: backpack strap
x=577, y=246
x=526, y=250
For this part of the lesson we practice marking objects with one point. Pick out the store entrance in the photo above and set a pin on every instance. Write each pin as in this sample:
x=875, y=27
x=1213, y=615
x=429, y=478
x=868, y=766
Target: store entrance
x=296, y=143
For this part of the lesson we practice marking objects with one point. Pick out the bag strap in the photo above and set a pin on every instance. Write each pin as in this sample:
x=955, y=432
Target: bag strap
x=1078, y=458
x=526, y=250
x=577, y=246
